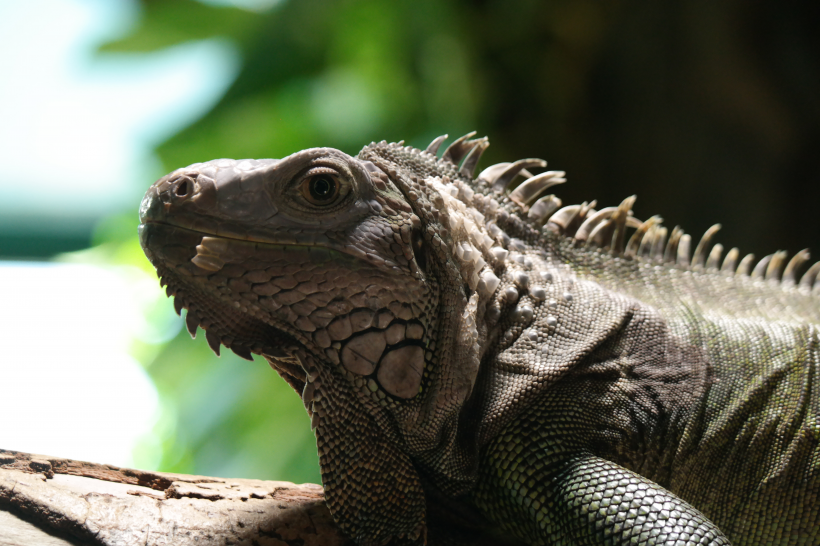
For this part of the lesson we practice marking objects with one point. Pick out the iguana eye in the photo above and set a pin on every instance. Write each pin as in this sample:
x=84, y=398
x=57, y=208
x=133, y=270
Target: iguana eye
x=321, y=189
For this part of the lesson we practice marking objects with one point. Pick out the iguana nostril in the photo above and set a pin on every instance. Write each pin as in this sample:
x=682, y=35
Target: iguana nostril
x=184, y=187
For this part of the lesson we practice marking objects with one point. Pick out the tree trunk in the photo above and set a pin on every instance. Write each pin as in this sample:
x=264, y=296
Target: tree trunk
x=60, y=502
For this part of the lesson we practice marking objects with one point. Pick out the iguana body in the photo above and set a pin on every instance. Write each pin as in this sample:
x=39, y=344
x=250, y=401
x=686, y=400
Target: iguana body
x=473, y=360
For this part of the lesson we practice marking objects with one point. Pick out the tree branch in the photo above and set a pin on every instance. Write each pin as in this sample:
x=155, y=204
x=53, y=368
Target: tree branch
x=54, y=501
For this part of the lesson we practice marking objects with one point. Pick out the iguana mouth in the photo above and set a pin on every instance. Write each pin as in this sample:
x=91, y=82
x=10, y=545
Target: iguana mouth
x=228, y=317
x=214, y=247
x=225, y=323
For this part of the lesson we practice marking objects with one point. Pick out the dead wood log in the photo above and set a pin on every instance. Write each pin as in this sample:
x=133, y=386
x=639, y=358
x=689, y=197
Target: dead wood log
x=60, y=502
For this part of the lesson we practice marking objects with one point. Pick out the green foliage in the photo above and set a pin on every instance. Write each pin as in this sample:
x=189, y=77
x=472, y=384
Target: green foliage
x=321, y=73
x=233, y=418
x=169, y=22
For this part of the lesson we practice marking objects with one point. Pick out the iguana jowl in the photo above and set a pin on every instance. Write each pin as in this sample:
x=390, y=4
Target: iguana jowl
x=469, y=351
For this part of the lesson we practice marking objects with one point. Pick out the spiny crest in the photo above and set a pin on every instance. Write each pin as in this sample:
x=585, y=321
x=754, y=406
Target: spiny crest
x=605, y=229
x=182, y=300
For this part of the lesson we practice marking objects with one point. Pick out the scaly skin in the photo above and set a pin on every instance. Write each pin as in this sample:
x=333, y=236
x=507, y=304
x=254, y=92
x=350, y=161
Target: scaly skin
x=478, y=366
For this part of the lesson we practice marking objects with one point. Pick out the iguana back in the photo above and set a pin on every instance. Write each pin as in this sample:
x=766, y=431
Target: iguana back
x=475, y=356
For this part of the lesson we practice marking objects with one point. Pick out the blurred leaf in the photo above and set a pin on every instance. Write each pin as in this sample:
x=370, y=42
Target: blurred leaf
x=169, y=22
x=322, y=73
x=234, y=418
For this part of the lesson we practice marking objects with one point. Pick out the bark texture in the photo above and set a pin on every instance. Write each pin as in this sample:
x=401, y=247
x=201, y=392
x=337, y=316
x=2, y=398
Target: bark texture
x=53, y=501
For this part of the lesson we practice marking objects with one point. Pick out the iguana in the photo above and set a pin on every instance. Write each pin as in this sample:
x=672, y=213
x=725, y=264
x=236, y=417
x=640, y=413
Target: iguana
x=478, y=359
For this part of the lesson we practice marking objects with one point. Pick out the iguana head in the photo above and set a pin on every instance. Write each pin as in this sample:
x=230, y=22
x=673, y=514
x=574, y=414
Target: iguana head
x=318, y=255
x=361, y=280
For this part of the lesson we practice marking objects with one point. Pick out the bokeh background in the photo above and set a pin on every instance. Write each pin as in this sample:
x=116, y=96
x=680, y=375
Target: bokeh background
x=708, y=111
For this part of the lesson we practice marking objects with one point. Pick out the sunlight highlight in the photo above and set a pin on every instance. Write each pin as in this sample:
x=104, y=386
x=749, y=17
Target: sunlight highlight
x=70, y=387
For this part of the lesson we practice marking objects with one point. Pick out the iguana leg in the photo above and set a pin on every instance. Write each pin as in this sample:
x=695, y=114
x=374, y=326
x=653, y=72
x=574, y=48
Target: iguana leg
x=550, y=497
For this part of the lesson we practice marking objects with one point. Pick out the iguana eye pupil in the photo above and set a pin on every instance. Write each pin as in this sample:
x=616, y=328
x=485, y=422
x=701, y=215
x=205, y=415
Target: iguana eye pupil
x=323, y=189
